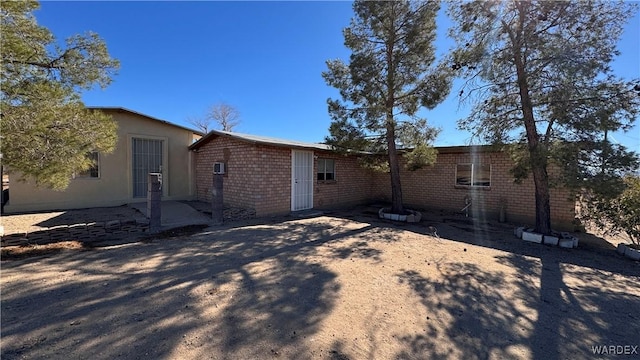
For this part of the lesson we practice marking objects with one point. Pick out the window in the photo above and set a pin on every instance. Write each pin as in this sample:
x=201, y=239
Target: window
x=473, y=175
x=326, y=169
x=93, y=171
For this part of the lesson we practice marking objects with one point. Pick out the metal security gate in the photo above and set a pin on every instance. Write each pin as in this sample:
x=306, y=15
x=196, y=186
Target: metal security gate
x=146, y=157
x=301, y=180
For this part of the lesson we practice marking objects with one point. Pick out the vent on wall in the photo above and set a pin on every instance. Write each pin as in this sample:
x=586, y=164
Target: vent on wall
x=218, y=168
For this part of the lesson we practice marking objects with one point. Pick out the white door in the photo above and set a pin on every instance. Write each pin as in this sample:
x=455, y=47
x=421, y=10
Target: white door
x=301, y=180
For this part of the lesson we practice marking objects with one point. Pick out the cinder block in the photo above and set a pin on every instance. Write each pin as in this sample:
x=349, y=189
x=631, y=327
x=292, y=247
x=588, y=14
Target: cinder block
x=518, y=232
x=632, y=253
x=532, y=237
x=566, y=243
x=415, y=217
x=551, y=240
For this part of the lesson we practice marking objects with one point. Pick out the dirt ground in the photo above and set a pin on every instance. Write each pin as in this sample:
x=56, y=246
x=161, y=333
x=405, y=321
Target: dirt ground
x=344, y=285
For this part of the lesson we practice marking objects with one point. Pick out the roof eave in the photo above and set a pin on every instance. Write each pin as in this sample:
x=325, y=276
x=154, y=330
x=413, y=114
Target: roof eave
x=125, y=110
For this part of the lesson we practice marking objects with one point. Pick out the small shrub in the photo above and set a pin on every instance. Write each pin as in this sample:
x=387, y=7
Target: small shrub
x=616, y=215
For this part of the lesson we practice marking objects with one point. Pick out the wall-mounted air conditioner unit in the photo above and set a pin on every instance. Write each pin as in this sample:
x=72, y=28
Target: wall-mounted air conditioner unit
x=218, y=168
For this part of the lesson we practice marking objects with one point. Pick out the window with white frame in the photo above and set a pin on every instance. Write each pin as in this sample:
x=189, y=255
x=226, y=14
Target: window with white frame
x=478, y=175
x=94, y=170
x=326, y=170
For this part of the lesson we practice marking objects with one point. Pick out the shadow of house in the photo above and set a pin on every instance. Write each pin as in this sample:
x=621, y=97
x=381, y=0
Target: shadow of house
x=270, y=297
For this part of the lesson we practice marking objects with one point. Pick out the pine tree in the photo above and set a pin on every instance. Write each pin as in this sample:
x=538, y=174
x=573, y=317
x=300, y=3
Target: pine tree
x=541, y=74
x=46, y=131
x=391, y=74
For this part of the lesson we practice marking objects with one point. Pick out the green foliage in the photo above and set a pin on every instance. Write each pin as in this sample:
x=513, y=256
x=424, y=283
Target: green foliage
x=538, y=74
x=617, y=214
x=46, y=130
x=373, y=162
x=391, y=74
x=420, y=156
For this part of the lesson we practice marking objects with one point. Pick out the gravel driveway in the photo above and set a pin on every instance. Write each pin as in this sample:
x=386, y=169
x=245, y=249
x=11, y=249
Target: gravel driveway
x=340, y=286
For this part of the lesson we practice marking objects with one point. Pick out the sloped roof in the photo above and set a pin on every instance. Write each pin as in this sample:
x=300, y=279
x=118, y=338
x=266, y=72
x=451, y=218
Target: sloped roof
x=125, y=110
x=254, y=139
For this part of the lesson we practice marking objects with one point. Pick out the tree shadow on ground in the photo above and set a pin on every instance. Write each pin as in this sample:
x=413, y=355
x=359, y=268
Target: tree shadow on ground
x=260, y=290
x=546, y=319
x=482, y=322
x=567, y=301
x=250, y=292
x=594, y=252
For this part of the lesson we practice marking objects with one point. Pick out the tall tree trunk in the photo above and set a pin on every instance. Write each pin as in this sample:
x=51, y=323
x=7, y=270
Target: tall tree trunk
x=537, y=150
x=394, y=163
x=394, y=167
x=538, y=160
x=543, y=205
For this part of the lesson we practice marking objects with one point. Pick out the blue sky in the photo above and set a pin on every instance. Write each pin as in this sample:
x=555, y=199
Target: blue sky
x=264, y=58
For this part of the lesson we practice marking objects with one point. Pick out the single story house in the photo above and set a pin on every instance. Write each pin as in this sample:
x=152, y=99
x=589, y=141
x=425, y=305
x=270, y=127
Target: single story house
x=274, y=176
x=145, y=144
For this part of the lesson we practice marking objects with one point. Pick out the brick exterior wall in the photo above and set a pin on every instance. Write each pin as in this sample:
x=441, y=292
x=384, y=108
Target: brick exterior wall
x=434, y=188
x=352, y=185
x=239, y=180
x=272, y=172
x=259, y=177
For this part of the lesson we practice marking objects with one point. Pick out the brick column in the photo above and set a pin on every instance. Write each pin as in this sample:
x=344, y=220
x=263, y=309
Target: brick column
x=154, y=207
x=217, y=201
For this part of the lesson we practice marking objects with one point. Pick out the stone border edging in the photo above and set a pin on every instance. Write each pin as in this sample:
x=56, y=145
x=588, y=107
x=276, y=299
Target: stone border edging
x=83, y=232
x=563, y=239
x=626, y=250
x=413, y=217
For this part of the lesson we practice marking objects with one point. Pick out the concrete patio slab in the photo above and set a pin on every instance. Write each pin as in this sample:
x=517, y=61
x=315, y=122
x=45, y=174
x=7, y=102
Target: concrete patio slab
x=175, y=214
